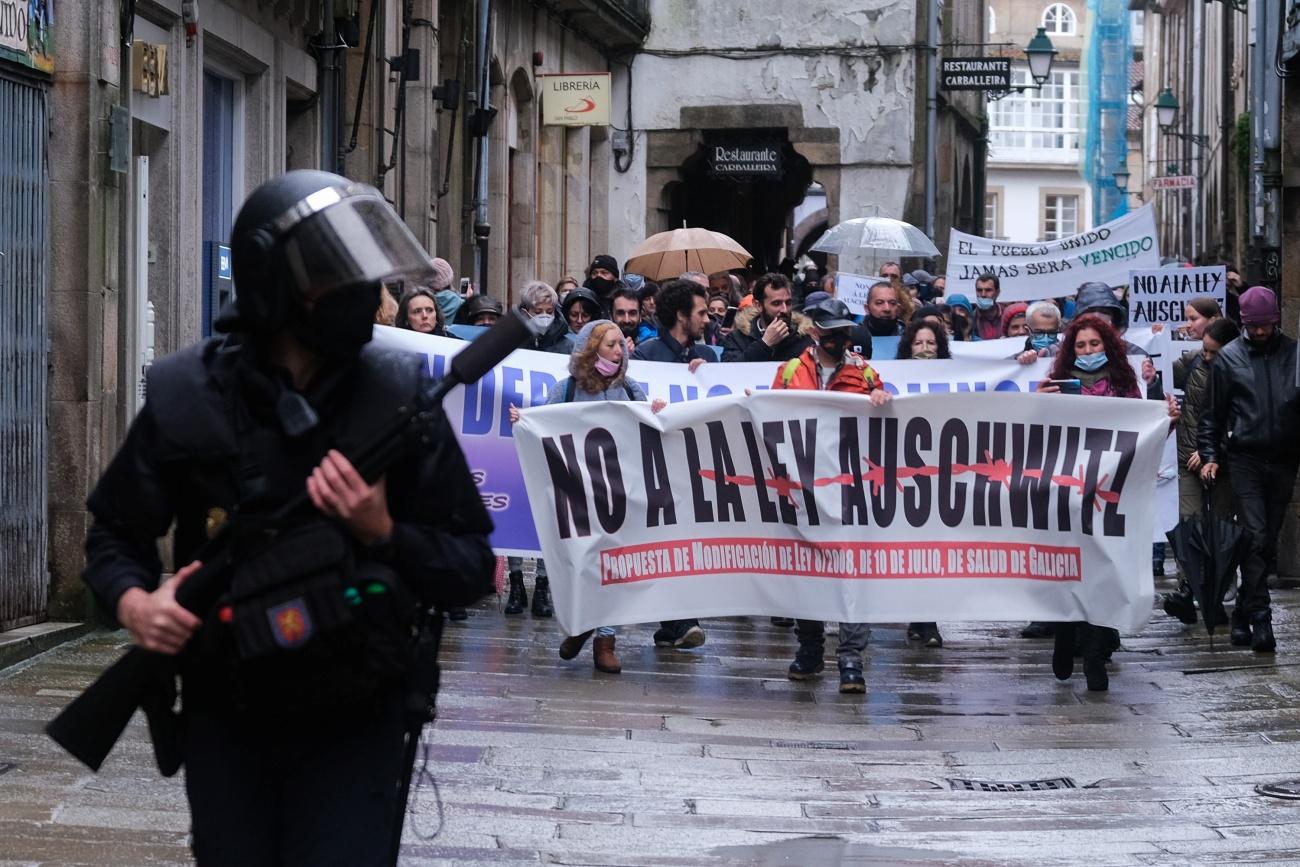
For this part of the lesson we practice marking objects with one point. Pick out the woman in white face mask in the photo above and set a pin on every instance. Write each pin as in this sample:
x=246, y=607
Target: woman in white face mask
x=538, y=302
x=598, y=371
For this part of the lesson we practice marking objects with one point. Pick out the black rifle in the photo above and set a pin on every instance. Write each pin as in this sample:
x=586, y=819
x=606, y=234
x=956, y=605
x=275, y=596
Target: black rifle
x=90, y=726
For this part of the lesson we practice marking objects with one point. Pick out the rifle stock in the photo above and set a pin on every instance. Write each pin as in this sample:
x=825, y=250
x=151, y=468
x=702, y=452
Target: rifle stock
x=94, y=721
x=90, y=726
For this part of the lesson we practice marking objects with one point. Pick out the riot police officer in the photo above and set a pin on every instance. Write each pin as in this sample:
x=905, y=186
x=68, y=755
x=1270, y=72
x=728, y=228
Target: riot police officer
x=291, y=723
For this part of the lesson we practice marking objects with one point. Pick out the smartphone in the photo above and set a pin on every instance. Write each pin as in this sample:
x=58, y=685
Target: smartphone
x=730, y=319
x=1067, y=386
x=464, y=285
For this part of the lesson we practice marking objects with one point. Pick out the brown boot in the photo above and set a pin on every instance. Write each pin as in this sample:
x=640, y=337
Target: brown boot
x=572, y=646
x=602, y=652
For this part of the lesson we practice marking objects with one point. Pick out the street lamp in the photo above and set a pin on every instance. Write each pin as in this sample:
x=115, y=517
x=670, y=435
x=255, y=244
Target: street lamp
x=1166, y=109
x=1121, y=177
x=1041, y=53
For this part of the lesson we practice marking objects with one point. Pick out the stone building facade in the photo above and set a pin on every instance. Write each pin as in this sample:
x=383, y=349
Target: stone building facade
x=839, y=89
x=163, y=121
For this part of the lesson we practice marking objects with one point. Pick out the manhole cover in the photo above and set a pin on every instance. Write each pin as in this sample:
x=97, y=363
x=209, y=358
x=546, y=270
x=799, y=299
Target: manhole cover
x=1022, y=786
x=1288, y=790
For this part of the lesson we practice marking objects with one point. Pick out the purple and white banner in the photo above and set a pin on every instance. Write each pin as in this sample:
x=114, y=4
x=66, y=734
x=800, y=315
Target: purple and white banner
x=479, y=413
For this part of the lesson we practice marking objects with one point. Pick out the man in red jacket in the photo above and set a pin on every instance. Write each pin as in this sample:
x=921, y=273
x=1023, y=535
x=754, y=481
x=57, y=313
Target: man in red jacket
x=829, y=365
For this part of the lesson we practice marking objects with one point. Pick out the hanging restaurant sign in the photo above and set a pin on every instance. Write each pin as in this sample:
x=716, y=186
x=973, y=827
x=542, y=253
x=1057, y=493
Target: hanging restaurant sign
x=737, y=159
x=576, y=100
x=975, y=73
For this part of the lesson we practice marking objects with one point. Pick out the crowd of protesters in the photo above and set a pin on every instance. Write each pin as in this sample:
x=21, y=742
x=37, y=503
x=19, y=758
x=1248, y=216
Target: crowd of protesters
x=1237, y=422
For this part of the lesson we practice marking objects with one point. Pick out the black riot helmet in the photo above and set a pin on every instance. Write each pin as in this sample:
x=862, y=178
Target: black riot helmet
x=310, y=251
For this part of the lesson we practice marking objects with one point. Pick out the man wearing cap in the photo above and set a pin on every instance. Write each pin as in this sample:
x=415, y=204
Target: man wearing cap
x=829, y=365
x=920, y=283
x=602, y=278
x=1252, y=420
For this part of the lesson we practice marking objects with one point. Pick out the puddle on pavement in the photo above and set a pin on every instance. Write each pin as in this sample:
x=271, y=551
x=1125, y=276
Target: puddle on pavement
x=825, y=852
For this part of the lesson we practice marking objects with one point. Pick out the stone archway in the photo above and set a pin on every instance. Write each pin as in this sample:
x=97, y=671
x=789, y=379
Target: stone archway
x=671, y=155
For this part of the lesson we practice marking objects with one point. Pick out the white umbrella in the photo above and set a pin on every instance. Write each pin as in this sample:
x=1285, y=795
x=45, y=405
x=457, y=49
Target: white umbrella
x=877, y=235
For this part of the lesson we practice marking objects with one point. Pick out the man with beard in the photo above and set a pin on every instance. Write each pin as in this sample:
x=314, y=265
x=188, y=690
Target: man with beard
x=625, y=308
x=682, y=315
x=768, y=330
x=1253, y=404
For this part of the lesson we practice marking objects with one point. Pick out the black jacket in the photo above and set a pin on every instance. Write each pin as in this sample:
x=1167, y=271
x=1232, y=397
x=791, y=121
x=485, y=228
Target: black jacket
x=1252, y=404
x=665, y=348
x=182, y=465
x=745, y=342
x=556, y=338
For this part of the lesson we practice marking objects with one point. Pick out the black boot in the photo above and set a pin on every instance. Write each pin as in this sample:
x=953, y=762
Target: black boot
x=1063, y=651
x=1037, y=630
x=1096, y=641
x=542, y=606
x=518, y=598
x=1181, y=604
x=1261, y=632
x=1239, y=636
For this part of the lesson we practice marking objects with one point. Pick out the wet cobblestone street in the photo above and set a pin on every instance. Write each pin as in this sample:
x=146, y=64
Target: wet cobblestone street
x=712, y=756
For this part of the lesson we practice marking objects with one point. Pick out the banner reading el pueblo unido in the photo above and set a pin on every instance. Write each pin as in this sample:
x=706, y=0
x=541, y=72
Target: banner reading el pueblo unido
x=1053, y=269
x=817, y=505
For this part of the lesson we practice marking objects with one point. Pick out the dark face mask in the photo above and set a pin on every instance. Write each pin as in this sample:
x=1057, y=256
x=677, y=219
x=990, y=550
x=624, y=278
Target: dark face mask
x=600, y=286
x=340, y=323
x=834, y=344
x=882, y=327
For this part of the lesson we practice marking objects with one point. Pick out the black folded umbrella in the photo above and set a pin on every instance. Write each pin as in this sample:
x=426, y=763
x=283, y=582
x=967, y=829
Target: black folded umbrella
x=1209, y=549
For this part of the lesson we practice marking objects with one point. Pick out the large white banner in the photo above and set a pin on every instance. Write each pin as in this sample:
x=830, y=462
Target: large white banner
x=817, y=505
x=1054, y=269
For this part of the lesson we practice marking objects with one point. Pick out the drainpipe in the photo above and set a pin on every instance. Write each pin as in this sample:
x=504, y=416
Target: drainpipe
x=482, y=226
x=1265, y=145
x=931, y=111
x=1198, y=105
x=328, y=70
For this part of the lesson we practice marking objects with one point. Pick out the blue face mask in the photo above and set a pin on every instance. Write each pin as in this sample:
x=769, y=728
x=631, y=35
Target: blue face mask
x=1042, y=340
x=984, y=303
x=1094, y=361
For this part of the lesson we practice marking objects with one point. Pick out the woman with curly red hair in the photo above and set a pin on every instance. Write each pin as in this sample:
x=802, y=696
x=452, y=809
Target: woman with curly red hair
x=1092, y=352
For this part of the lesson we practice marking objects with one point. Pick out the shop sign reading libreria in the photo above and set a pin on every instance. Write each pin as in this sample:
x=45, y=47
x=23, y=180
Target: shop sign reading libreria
x=27, y=33
x=580, y=99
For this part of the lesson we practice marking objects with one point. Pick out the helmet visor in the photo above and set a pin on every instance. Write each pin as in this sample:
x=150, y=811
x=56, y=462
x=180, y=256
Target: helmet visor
x=337, y=238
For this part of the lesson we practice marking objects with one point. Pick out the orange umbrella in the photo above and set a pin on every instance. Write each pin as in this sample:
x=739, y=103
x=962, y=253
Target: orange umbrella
x=670, y=254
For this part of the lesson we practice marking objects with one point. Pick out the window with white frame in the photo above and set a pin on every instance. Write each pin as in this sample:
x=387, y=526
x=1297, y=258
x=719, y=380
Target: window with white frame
x=1059, y=19
x=992, y=226
x=1060, y=216
x=1044, y=119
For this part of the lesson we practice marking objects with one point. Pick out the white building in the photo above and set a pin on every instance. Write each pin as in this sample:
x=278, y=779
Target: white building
x=1035, y=191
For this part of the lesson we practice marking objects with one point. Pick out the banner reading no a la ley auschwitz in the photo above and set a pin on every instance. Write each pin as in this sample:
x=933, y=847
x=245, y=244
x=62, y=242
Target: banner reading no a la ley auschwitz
x=1053, y=269
x=479, y=412
x=817, y=505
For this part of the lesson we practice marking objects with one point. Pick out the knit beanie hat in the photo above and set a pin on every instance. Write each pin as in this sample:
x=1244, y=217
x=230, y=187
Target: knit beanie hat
x=442, y=274
x=1259, y=306
x=609, y=263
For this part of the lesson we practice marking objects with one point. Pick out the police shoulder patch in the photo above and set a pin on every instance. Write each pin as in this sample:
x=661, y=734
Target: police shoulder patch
x=291, y=624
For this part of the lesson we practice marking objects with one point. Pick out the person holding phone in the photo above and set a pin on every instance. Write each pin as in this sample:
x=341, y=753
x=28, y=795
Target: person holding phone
x=769, y=329
x=1092, y=352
